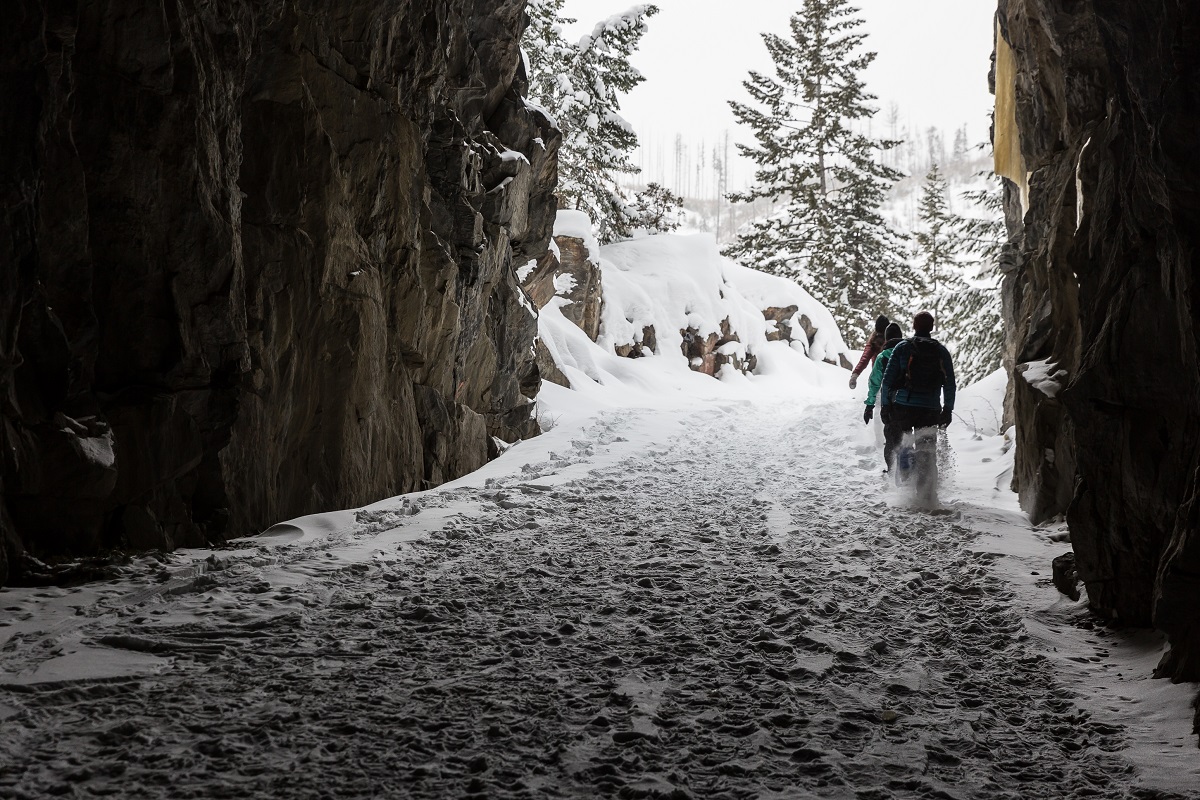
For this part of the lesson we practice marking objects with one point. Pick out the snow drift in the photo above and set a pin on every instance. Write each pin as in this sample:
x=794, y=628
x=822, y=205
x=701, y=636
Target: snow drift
x=675, y=310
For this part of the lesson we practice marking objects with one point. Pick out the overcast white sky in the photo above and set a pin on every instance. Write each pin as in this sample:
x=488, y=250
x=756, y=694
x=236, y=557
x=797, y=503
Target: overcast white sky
x=933, y=61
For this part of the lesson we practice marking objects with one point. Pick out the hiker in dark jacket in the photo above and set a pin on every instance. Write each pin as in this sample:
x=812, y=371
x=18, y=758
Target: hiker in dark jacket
x=873, y=348
x=918, y=385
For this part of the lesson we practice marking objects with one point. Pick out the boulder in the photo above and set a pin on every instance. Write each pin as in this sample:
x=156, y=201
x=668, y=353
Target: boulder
x=783, y=318
x=709, y=353
x=646, y=345
x=1066, y=576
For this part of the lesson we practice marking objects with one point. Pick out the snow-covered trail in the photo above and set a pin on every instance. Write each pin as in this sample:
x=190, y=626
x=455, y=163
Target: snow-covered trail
x=732, y=612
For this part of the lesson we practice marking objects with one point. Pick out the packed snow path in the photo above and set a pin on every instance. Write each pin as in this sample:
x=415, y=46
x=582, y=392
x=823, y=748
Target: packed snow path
x=736, y=613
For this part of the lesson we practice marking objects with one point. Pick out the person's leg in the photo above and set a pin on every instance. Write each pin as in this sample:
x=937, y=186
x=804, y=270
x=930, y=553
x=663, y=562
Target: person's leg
x=924, y=422
x=901, y=424
x=892, y=434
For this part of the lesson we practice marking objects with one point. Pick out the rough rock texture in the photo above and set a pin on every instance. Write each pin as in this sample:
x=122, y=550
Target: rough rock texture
x=257, y=260
x=708, y=353
x=573, y=274
x=789, y=326
x=1103, y=283
x=782, y=317
x=1066, y=576
x=646, y=346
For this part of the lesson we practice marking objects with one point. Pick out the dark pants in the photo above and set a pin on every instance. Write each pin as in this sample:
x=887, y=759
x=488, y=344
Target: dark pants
x=905, y=419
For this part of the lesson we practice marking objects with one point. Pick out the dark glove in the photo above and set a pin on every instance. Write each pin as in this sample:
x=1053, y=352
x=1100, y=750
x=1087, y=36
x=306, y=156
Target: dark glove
x=885, y=414
x=946, y=417
x=868, y=414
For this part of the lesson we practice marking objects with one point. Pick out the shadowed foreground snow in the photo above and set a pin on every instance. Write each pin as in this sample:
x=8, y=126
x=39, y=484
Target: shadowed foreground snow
x=712, y=603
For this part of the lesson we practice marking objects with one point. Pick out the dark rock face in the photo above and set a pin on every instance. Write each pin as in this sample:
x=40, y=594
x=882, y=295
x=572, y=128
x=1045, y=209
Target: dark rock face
x=1103, y=285
x=257, y=260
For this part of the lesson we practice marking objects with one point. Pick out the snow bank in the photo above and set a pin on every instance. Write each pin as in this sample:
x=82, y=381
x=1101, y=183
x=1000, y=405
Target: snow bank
x=577, y=225
x=676, y=284
x=767, y=291
x=980, y=406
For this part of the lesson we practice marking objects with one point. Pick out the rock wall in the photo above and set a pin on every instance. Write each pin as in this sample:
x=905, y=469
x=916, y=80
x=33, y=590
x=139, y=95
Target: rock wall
x=1103, y=296
x=257, y=261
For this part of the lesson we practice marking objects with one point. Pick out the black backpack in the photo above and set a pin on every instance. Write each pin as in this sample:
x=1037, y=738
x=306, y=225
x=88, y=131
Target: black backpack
x=925, y=372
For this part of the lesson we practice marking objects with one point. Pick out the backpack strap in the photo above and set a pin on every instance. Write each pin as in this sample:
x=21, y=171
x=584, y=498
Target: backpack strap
x=912, y=354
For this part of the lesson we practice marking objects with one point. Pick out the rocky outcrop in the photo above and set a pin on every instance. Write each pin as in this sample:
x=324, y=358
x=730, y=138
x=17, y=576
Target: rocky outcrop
x=783, y=318
x=790, y=325
x=1102, y=294
x=710, y=353
x=645, y=346
x=257, y=260
x=566, y=270
x=569, y=271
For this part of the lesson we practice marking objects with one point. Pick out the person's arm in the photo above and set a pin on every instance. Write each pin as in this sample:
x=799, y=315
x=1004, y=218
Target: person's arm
x=868, y=353
x=949, y=389
x=892, y=373
x=876, y=378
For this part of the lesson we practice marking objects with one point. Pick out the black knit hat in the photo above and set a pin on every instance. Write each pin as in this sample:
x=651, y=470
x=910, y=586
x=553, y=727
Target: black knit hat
x=881, y=324
x=893, y=332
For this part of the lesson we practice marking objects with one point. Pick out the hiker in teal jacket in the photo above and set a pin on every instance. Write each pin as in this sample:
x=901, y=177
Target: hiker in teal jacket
x=892, y=335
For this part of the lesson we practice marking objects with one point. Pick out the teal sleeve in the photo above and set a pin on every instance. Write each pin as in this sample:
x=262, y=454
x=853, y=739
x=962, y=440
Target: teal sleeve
x=876, y=379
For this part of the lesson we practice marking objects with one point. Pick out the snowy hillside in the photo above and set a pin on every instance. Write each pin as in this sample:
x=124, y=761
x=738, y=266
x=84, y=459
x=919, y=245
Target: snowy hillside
x=676, y=314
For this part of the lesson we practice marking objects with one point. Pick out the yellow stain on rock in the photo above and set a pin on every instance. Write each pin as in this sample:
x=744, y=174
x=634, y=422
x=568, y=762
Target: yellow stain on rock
x=1010, y=163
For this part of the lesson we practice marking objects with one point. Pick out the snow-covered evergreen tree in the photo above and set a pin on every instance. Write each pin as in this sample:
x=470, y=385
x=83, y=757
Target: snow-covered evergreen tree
x=813, y=158
x=938, y=245
x=960, y=143
x=581, y=84
x=974, y=313
x=957, y=257
x=656, y=209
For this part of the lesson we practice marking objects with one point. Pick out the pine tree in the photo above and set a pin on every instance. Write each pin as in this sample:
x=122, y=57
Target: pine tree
x=937, y=246
x=813, y=159
x=656, y=209
x=960, y=144
x=581, y=85
x=974, y=313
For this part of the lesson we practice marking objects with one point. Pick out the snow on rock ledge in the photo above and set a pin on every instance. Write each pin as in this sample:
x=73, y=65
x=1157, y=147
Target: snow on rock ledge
x=673, y=298
x=1044, y=376
x=712, y=311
